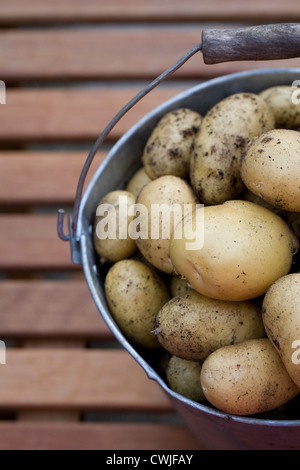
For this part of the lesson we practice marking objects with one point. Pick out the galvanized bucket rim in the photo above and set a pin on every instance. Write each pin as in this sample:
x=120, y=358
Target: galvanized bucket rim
x=91, y=273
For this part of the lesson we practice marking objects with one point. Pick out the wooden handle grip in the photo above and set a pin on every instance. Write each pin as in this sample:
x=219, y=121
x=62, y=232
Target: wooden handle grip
x=265, y=42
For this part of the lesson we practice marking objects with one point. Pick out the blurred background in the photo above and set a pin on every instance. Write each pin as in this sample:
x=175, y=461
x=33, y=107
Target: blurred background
x=69, y=66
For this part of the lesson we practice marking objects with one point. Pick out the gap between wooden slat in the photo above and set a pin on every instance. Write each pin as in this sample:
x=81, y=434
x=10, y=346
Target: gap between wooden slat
x=48, y=416
x=80, y=115
x=127, y=10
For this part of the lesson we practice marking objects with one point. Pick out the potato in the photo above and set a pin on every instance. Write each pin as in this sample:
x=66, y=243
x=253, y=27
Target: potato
x=247, y=195
x=246, y=249
x=113, y=248
x=135, y=293
x=169, y=147
x=279, y=99
x=270, y=168
x=225, y=131
x=183, y=377
x=179, y=285
x=281, y=317
x=291, y=218
x=138, y=181
x=192, y=326
x=169, y=191
x=247, y=378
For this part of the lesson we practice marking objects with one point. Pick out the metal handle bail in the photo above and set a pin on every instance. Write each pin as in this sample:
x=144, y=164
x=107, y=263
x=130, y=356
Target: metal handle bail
x=72, y=224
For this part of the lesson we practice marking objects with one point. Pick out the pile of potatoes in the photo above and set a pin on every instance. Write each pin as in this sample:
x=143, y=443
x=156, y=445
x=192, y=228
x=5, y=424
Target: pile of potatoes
x=227, y=314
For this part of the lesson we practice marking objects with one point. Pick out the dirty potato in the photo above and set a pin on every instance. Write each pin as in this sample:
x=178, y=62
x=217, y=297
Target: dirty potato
x=291, y=218
x=192, y=326
x=115, y=246
x=247, y=378
x=178, y=285
x=135, y=293
x=246, y=249
x=170, y=145
x=184, y=378
x=225, y=131
x=281, y=317
x=280, y=100
x=138, y=181
x=270, y=168
x=167, y=193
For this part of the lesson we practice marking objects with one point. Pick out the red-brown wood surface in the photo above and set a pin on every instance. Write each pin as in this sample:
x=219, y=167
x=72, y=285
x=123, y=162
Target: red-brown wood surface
x=96, y=436
x=43, y=11
x=115, y=53
x=68, y=379
x=30, y=242
x=69, y=67
x=50, y=309
x=73, y=115
x=42, y=178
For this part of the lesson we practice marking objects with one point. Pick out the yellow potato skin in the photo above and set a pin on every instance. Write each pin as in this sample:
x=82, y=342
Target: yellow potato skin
x=270, y=168
x=281, y=317
x=135, y=293
x=164, y=190
x=279, y=99
x=113, y=250
x=178, y=286
x=291, y=218
x=247, y=378
x=169, y=148
x=138, y=181
x=192, y=326
x=184, y=378
x=246, y=249
x=225, y=131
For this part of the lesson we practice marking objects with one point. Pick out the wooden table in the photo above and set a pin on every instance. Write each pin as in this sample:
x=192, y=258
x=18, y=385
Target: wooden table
x=69, y=66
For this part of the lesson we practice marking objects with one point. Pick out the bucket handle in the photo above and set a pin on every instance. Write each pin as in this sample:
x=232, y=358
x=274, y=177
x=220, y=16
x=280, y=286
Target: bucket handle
x=263, y=42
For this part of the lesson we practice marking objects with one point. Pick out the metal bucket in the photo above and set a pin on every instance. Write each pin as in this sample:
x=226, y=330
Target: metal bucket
x=214, y=429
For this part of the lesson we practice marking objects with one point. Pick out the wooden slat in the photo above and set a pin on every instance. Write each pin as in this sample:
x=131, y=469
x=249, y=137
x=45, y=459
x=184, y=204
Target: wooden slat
x=83, y=54
x=100, y=436
x=55, y=115
x=112, y=53
x=43, y=11
x=42, y=178
x=52, y=379
x=31, y=242
x=72, y=114
x=49, y=309
x=77, y=379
